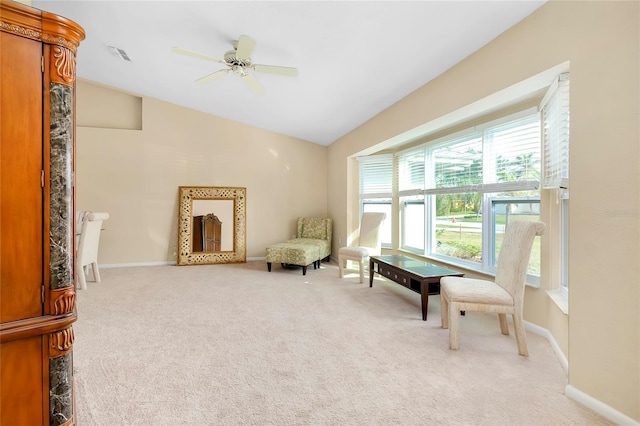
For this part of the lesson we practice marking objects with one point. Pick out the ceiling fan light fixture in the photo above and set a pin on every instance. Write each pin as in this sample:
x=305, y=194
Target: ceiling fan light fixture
x=238, y=69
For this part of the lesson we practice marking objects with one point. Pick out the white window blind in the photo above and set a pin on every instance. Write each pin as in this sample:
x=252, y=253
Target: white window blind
x=411, y=172
x=512, y=151
x=496, y=158
x=458, y=163
x=376, y=176
x=555, y=134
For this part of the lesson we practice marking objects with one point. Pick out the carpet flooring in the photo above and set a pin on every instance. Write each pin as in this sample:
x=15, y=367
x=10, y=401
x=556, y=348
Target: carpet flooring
x=237, y=345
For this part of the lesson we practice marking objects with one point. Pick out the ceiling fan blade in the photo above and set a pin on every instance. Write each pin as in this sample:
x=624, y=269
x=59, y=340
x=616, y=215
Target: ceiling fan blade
x=213, y=76
x=245, y=47
x=253, y=83
x=272, y=69
x=196, y=54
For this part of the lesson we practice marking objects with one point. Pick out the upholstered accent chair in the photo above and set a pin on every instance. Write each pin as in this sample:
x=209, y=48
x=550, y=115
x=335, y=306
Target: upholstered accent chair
x=87, y=253
x=311, y=245
x=317, y=232
x=504, y=296
x=367, y=244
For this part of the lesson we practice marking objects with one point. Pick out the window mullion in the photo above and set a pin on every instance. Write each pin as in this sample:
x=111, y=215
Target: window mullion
x=488, y=232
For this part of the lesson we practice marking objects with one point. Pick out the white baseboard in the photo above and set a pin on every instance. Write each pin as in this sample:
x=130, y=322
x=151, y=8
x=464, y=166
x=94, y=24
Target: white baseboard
x=166, y=262
x=564, y=362
x=129, y=265
x=580, y=397
x=599, y=407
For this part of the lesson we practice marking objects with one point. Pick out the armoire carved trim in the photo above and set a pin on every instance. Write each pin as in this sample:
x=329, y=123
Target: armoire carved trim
x=64, y=61
x=63, y=301
x=20, y=31
x=61, y=342
x=25, y=24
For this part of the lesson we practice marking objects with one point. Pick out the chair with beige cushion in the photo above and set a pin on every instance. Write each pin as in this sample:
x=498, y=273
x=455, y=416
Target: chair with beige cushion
x=503, y=296
x=367, y=244
x=87, y=253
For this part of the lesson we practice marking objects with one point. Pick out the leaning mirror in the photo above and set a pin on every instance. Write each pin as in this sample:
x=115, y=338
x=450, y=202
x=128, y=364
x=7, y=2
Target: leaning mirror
x=211, y=225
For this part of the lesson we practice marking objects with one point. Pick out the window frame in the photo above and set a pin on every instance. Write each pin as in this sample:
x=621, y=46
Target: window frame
x=488, y=187
x=564, y=242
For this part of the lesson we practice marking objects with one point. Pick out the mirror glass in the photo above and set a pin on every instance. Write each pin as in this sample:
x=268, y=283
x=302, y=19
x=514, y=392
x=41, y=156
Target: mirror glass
x=211, y=225
x=212, y=228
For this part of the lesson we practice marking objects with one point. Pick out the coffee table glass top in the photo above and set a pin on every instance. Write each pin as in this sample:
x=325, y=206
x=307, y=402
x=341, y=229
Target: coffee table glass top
x=416, y=267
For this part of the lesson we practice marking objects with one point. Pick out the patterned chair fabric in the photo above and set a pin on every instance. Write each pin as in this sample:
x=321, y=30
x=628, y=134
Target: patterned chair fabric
x=313, y=243
x=315, y=231
x=293, y=254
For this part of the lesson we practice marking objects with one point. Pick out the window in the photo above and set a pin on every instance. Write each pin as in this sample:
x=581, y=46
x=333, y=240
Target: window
x=410, y=191
x=503, y=211
x=381, y=206
x=554, y=111
x=459, y=192
x=376, y=185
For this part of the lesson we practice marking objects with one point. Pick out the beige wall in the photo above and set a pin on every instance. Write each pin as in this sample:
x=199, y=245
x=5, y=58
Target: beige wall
x=601, y=42
x=134, y=174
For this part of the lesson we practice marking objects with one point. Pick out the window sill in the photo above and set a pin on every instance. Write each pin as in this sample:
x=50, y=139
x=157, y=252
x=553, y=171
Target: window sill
x=561, y=301
x=475, y=273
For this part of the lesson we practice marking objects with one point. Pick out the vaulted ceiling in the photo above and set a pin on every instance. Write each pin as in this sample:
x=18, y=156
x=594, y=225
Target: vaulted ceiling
x=354, y=58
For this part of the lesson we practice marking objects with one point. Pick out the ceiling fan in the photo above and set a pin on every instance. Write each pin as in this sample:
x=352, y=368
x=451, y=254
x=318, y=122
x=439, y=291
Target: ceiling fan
x=239, y=62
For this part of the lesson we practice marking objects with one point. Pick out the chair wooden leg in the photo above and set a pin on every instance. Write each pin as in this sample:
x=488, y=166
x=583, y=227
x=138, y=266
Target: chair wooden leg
x=361, y=263
x=454, y=326
x=521, y=335
x=444, y=311
x=504, y=327
x=96, y=271
x=341, y=265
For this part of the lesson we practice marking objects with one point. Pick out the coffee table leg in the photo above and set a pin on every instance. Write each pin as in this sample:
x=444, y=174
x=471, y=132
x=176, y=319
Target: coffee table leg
x=371, y=273
x=424, y=295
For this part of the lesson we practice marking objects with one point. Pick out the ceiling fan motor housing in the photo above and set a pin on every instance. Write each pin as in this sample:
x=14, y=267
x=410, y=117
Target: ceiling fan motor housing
x=231, y=59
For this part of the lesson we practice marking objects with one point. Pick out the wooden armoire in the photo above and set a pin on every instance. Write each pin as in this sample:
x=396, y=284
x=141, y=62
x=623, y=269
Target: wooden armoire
x=37, y=292
x=207, y=231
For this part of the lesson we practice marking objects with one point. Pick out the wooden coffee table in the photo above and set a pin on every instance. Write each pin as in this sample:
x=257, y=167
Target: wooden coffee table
x=416, y=275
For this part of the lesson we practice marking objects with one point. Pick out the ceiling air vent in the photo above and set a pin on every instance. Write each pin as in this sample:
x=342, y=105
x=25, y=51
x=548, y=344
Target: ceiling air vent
x=119, y=53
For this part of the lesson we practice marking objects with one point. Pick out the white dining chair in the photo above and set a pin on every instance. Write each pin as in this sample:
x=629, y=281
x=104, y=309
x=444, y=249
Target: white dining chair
x=367, y=244
x=87, y=253
x=503, y=296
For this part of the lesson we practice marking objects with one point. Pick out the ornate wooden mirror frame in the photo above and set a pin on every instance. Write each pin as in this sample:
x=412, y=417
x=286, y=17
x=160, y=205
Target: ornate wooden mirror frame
x=186, y=196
